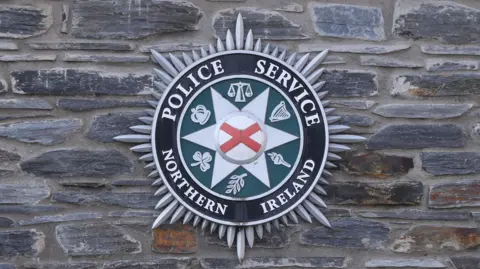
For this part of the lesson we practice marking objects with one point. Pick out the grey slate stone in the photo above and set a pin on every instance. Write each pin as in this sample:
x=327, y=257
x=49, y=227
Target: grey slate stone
x=345, y=83
x=166, y=263
x=450, y=65
x=385, y=61
x=360, y=104
x=137, y=200
x=23, y=115
x=6, y=45
x=21, y=243
x=75, y=197
x=450, y=163
x=334, y=60
x=466, y=262
x=83, y=183
x=25, y=103
x=5, y=223
x=27, y=58
x=273, y=262
x=454, y=194
x=348, y=233
x=74, y=57
x=475, y=216
x=132, y=20
x=475, y=131
x=476, y=112
x=275, y=240
x=446, y=21
x=362, y=193
x=60, y=81
x=13, y=17
x=417, y=136
x=422, y=111
x=173, y=47
x=6, y=173
x=106, y=126
x=81, y=45
x=7, y=156
x=7, y=266
x=291, y=7
x=95, y=239
x=336, y=213
x=23, y=193
x=79, y=105
x=436, y=85
x=265, y=24
x=3, y=86
x=134, y=214
x=58, y=265
x=404, y=263
x=356, y=120
x=330, y=59
x=29, y=209
x=61, y=218
x=412, y=214
x=363, y=49
x=44, y=132
x=68, y=163
x=451, y=49
x=140, y=225
x=132, y=182
x=348, y=21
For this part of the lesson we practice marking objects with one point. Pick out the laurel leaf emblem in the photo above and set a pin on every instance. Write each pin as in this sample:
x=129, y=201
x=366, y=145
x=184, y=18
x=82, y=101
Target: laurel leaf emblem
x=236, y=184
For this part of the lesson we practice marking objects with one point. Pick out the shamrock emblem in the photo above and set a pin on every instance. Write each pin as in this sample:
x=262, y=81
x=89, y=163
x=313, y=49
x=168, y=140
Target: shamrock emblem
x=202, y=160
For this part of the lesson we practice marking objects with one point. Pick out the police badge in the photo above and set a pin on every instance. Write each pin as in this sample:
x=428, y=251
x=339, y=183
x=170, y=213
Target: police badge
x=239, y=139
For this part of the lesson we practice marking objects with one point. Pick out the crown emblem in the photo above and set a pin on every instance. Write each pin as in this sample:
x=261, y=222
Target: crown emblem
x=200, y=114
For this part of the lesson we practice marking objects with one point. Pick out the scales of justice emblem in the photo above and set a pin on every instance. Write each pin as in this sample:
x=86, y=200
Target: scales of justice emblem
x=240, y=139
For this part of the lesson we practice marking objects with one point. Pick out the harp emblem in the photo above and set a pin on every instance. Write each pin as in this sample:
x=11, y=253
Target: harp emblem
x=279, y=113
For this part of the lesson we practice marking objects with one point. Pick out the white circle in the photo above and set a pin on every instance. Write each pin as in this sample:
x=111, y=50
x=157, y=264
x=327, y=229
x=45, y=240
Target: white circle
x=240, y=138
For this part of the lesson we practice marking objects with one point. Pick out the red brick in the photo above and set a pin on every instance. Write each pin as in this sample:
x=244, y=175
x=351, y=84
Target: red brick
x=174, y=238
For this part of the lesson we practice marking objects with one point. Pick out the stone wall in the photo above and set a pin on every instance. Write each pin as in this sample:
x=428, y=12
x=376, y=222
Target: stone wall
x=75, y=73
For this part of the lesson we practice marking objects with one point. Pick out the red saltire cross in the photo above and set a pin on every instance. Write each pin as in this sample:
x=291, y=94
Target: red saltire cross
x=240, y=136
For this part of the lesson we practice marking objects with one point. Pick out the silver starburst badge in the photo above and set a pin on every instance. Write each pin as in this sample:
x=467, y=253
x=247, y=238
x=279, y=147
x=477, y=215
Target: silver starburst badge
x=240, y=138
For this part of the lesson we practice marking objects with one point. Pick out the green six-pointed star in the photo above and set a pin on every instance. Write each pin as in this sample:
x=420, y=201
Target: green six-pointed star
x=240, y=138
